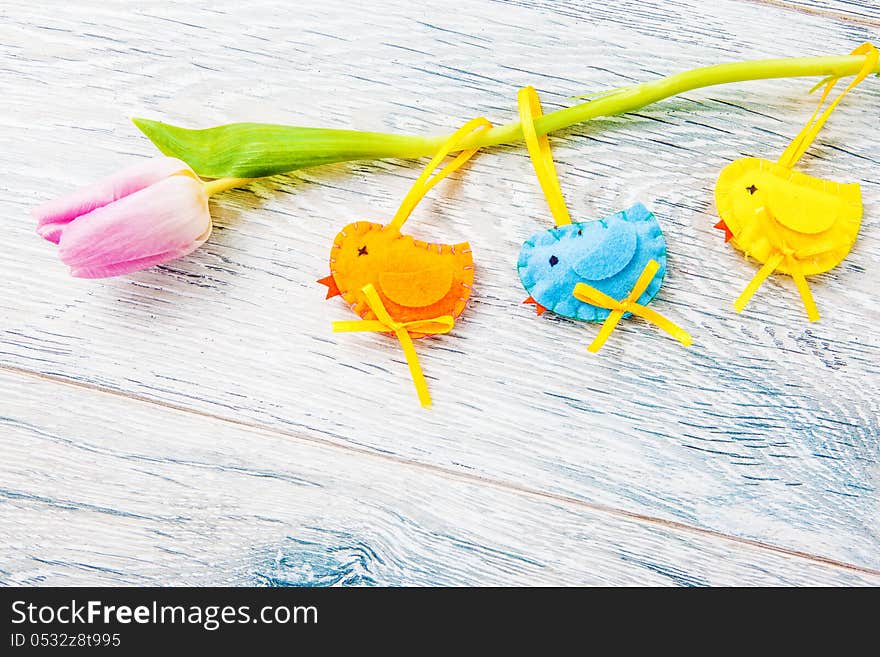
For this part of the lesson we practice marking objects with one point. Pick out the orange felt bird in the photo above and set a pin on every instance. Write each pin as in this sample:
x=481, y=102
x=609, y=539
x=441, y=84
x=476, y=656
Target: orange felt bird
x=415, y=280
x=401, y=285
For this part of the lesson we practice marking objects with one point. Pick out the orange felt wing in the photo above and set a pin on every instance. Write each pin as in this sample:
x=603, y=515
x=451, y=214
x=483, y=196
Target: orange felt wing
x=418, y=288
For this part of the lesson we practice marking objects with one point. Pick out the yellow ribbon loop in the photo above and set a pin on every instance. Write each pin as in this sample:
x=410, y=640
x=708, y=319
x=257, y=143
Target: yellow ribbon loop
x=805, y=137
x=591, y=295
x=425, y=182
x=542, y=157
x=385, y=324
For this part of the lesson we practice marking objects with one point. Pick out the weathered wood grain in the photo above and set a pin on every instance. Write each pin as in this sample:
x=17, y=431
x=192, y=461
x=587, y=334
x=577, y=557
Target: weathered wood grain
x=767, y=428
x=863, y=12
x=132, y=495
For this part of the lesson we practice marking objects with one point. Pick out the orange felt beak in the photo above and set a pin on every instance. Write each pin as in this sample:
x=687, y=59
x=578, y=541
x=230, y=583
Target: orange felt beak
x=723, y=226
x=539, y=309
x=330, y=282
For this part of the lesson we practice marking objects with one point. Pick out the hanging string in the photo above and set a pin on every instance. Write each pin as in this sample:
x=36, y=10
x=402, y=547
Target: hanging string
x=542, y=156
x=807, y=135
x=430, y=176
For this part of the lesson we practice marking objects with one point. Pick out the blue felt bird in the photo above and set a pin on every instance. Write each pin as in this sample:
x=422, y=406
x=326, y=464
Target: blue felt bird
x=594, y=271
x=608, y=254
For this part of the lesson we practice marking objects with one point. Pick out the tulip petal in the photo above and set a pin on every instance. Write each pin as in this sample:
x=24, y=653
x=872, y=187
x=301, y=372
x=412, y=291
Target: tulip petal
x=53, y=216
x=154, y=225
x=121, y=268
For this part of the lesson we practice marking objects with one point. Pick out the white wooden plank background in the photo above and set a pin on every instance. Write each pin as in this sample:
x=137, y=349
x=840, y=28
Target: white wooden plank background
x=169, y=497
x=199, y=423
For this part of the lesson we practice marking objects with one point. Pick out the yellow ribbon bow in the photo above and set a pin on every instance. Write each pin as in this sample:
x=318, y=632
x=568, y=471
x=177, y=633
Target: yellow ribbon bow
x=794, y=269
x=385, y=324
x=589, y=294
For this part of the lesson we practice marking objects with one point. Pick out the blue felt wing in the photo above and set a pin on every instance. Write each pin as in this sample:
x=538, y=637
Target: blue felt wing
x=608, y=254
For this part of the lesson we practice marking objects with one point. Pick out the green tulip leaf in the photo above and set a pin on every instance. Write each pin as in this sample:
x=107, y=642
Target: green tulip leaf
x=254, y=150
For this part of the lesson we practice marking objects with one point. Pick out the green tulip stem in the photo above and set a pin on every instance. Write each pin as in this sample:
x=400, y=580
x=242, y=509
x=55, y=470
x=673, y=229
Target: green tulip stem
x=632, y=98
x=252, y=150
x=223, y=184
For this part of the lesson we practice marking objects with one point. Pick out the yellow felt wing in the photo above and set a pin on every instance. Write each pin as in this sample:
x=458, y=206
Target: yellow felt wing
x=803, y=208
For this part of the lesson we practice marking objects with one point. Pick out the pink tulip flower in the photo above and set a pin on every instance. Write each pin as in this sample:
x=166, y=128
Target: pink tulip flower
x=145, y=215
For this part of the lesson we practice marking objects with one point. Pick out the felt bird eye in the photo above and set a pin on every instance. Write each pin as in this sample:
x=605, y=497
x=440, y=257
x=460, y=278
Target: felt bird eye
x=411, y=288
x=613, y=266
x=798, y=224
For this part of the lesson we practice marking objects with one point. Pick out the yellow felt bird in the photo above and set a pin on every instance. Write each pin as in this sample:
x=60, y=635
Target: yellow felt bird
x=791, y=222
